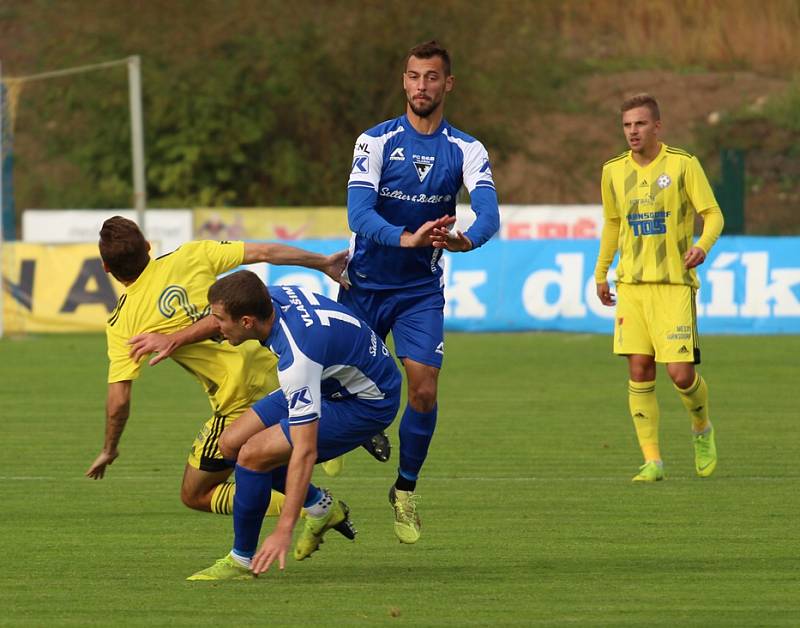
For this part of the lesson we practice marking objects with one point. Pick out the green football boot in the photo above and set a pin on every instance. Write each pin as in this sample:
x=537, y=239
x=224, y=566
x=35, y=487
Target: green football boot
x=406, y=520
x=705, y=452
x=650, y=472
x=314, y=528
x=333, y=467
x=224, y=569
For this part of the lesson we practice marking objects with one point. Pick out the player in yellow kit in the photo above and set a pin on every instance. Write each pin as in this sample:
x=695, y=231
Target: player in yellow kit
x=651, y=194
x=165, y=295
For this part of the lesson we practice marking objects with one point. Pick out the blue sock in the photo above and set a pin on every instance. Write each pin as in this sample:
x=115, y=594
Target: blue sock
x=253, y=490
x=416, y=432
x=279, y=484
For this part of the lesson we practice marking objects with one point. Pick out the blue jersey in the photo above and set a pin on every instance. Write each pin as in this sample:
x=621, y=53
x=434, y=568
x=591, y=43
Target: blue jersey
x=325, y=352
x=401, y=179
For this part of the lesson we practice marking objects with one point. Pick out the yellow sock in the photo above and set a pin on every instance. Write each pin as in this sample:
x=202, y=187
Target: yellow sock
x=222, y=500
x=695, y=400
x=644, y=410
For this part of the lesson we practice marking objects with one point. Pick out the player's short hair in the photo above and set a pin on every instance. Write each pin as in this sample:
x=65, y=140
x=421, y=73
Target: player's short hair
x=123, y=248
x=242, y=294
x=642, y=100
x=428, y=50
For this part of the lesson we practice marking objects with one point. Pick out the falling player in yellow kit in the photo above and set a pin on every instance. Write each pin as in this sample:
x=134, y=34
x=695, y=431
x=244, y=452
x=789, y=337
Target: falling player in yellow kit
x=165, y=295
x=650, y=196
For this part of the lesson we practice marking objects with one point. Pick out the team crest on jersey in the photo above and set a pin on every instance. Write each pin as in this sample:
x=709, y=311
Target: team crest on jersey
x=397, y=154
x=663, y=181
x=423, y=165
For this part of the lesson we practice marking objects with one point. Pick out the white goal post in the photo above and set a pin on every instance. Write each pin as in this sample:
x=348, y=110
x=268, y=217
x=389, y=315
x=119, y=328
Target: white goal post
x=137, y=138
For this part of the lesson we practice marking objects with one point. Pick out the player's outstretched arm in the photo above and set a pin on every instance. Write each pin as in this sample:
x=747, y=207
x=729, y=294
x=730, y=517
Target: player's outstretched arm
x=118, y=406
x=164, y=345
x=298, y=476
x=284, y=255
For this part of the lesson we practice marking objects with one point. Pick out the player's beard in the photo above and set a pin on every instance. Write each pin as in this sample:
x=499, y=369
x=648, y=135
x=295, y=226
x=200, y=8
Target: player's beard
x=425, y=109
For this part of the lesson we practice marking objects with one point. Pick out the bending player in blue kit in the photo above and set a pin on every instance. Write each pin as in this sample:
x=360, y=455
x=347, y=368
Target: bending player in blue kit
x=401, y=201
x=339, y=386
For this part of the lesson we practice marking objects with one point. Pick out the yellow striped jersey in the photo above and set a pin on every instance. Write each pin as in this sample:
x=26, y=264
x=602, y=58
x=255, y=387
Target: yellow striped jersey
x=169, y=295
x=656, y=206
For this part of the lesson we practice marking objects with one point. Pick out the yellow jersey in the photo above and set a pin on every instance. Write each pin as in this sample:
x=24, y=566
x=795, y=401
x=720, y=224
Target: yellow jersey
x=169, y=295
x=655, y=206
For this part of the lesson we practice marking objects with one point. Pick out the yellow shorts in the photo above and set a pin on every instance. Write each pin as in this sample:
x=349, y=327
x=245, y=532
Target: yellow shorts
x=657, y=319
x=205, y=454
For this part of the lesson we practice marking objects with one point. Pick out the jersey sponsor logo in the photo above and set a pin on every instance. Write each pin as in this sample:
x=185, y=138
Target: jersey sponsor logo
x=648, y=223
x=415, y=198
x=360, y=165
x=682, y=332
x=423, y=165
x=683, y=349
x=373, y=345
x=362, y=147
x=644, y=184
x=663, y=181
x=397, y=154
x=299, y=399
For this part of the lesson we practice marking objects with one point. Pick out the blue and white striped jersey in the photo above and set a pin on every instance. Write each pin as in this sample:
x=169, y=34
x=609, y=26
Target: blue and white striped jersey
x=401, y=179
x=325, y=352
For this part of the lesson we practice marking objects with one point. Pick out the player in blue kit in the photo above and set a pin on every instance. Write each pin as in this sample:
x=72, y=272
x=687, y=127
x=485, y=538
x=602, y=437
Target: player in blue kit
x=401, y=201
x=339, y=386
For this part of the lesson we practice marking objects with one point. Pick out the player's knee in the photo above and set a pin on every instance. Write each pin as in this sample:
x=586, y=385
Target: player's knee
x=255, y=457
x=683, y=378
x=191, y=498
x=422, y=397
x=228, y=445
x=642, y=370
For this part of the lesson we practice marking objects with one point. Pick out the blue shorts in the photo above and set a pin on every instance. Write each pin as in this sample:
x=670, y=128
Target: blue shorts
x=416, y=319
x=345, y=423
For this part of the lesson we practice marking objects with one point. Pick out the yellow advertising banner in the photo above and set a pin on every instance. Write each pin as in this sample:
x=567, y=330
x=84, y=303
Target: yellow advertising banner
x=271, y=223
x=55, y=288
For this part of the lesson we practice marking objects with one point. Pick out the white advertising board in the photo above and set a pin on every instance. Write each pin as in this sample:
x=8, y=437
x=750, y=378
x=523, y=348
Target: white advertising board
x=167, y=228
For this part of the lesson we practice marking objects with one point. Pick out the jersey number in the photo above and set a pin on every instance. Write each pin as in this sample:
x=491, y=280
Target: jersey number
x=325, y=317
x=176, y=295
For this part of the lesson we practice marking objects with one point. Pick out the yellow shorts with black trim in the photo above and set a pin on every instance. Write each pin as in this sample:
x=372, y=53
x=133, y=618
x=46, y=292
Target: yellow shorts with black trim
x=205, y=454
x=657, y=319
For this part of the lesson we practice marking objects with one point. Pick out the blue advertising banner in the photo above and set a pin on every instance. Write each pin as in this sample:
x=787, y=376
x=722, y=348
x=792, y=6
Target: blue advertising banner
x=749, y=285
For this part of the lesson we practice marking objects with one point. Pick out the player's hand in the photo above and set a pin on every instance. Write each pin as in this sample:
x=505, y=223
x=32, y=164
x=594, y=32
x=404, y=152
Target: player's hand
x=274, y=547
x=422, y=236
x=335, y=266
x=454, y=241
x=694, y=257
x=144, y=344
x=604, y=294
x=98, y=468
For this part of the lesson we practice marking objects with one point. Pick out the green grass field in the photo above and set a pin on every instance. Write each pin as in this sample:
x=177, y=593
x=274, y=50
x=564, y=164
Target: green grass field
x=529, y=515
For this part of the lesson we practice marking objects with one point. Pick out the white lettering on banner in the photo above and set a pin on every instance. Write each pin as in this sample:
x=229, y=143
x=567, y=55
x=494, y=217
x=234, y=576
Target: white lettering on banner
x=721, y=283
x=459, y=293
x=758, y=292
x=569, y=280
